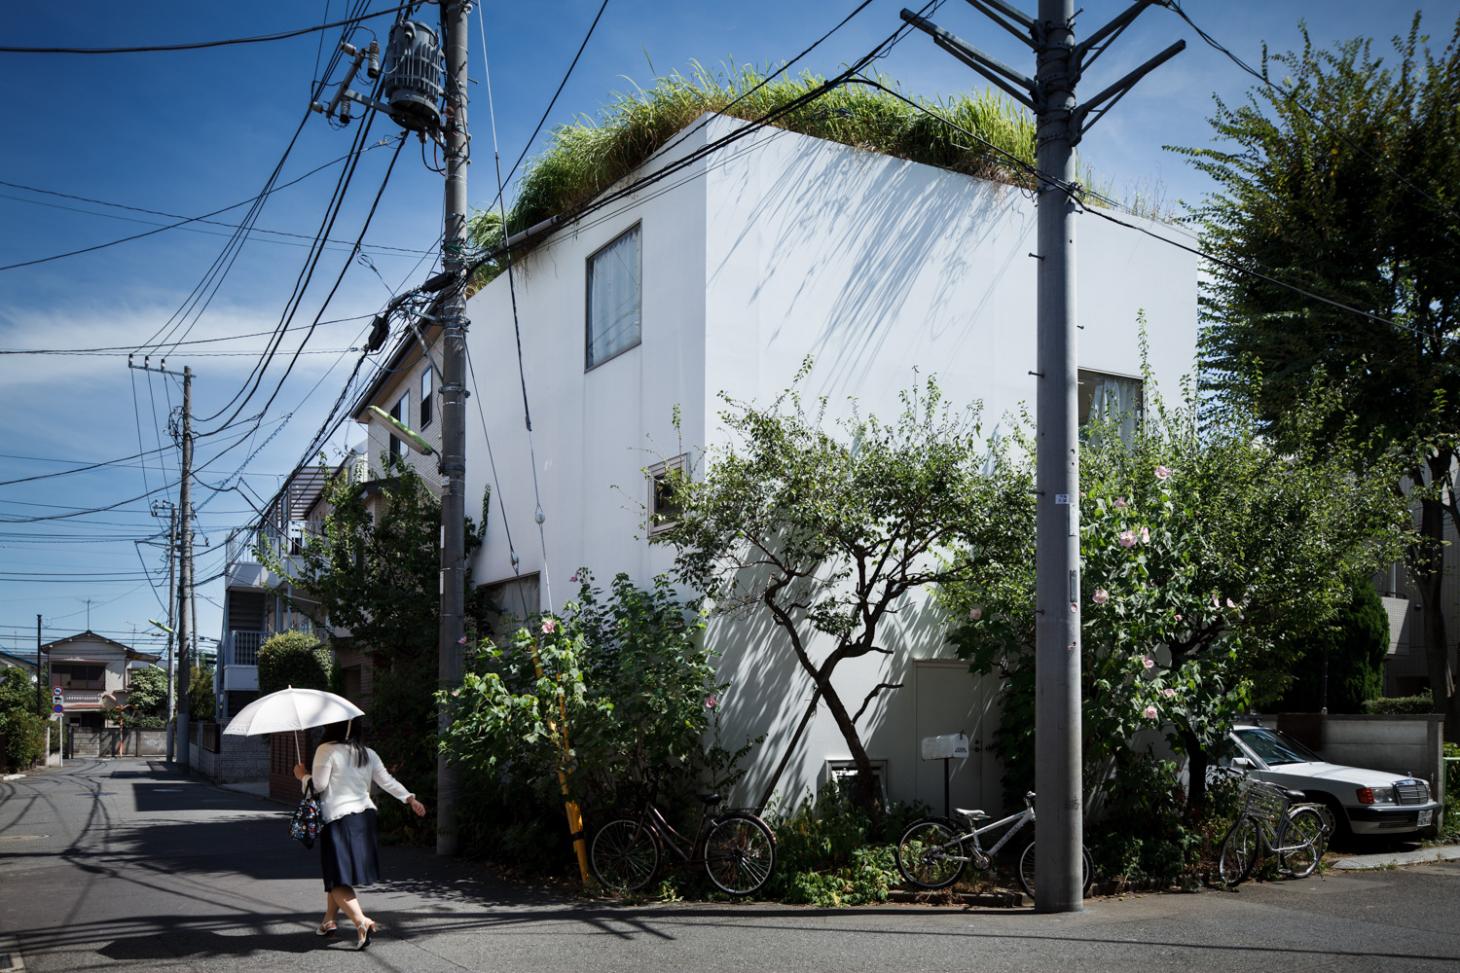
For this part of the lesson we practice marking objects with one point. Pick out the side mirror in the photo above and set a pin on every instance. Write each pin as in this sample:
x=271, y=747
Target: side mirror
x=1241, y=763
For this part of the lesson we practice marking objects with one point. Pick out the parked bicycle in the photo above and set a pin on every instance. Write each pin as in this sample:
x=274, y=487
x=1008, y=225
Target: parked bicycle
x=737, y=849
x=932, y=852
x=1277, y=821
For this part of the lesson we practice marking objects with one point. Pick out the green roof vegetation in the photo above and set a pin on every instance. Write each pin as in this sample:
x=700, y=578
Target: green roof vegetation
x=589, y=156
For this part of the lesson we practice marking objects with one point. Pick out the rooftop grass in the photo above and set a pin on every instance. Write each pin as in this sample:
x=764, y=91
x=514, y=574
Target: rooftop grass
x=590, y=155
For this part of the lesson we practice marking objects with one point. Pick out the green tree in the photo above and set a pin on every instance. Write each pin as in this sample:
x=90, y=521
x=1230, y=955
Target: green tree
x=827, y=532
x=147, y=691
x=201, y=703
x=1346, y=187
x=1206, y=552
x=295, y=659
x=22, y=731
x=1341, y=665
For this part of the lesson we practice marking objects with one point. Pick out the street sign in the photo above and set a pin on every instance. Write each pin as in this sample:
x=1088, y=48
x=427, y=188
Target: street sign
x=57, y=694
x=58, y=709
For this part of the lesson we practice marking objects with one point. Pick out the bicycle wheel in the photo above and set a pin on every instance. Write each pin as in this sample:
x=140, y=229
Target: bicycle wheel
x=1239, y=851
x=624, y=855
x=1026, y=869
x=929, y=854
x=1309, y=831
x=740, y=854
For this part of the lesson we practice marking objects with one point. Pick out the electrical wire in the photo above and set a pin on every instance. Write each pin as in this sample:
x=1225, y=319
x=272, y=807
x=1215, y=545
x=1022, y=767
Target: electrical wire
x=203, y=45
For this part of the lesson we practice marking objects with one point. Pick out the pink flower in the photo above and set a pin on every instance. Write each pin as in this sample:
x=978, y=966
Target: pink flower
x=1150, y=712
x=711, y=701
x=1120, y=503
x=1147, y=662
x=1178, y=616
x=1145, y=535
x=456, y=692
x=1231, y=603
x=1127, y=538
x=1101, y=596
x=1169, y=693
x=975, y=613
x=573, y=578
x=1216, y=602
x=549, y=626
x=1163, y=473
x=461, y=641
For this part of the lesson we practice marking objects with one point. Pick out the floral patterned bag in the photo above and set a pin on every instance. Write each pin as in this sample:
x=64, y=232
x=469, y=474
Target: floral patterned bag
x=306, y=821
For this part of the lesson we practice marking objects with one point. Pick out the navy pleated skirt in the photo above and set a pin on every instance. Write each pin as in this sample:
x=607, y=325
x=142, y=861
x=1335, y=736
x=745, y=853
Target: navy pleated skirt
x=347, y=852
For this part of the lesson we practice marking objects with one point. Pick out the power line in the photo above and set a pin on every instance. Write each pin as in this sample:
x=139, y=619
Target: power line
x=202, y=45
x=175, y=344
x=402, y=251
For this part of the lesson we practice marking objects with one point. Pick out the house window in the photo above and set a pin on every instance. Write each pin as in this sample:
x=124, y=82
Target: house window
x=614, y=299
x=400, y=412
x=80, y=677
x=664, y=508
x=843, y=773
x=508, y=605
x=427, y=403
x=1111, y=398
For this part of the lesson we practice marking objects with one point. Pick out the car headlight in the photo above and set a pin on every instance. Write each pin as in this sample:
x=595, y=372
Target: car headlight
x=1375, y=795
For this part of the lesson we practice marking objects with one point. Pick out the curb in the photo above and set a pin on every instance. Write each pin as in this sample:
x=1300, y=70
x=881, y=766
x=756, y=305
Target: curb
x=1362, y=863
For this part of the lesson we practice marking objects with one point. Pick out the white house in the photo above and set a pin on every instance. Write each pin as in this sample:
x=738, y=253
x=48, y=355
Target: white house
x=93, y=673
x=724, y=278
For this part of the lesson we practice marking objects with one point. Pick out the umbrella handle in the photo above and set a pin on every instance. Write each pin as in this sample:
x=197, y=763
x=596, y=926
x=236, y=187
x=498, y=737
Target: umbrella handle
x=297, y=752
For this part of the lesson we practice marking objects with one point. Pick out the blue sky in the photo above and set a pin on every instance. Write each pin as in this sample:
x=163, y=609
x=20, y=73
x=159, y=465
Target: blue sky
x=191, y=132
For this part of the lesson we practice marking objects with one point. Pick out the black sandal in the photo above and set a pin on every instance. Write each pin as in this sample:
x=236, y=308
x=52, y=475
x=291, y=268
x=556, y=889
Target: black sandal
x=363, y=942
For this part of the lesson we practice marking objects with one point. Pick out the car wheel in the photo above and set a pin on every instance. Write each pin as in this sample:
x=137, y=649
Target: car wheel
x=1341, y=827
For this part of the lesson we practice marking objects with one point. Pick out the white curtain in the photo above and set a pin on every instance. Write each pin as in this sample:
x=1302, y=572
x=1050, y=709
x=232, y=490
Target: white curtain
x=614, y=298
x=1118, y=399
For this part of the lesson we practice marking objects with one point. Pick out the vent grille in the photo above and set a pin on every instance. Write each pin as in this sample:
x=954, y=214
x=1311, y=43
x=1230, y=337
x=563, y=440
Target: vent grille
x=1411, y=792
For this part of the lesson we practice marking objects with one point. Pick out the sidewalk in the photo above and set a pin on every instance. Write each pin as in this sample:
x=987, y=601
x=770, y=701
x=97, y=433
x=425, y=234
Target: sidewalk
x=1394, y=859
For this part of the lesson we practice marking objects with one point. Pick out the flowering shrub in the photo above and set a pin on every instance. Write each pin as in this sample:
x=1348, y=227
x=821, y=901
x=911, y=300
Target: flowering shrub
x=1208, y=557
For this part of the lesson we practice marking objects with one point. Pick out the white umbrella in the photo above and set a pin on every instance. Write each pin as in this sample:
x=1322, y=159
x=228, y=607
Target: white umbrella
x=290, y=710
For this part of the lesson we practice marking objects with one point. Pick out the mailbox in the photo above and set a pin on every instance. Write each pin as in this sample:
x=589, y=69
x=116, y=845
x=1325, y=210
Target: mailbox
x=945, y=747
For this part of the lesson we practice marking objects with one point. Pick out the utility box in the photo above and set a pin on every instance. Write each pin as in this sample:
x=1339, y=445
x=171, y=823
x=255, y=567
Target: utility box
x=948, y=746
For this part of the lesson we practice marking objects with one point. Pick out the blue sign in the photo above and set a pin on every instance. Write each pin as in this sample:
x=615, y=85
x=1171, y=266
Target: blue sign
x=58, y=708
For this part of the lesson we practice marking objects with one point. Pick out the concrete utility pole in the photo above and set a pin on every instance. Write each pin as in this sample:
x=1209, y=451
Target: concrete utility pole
x=184, y=570
x=1061, y=122
x=40, y=685
x=454, y=24
x=171, y=618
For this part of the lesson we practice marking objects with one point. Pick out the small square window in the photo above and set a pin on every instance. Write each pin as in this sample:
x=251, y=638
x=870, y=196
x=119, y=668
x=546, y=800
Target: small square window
x=428, y=404
x=614, y=299
x=843, y=773
x=664, y=508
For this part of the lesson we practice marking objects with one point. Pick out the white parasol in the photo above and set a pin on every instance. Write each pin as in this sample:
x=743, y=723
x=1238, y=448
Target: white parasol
x=291, y=710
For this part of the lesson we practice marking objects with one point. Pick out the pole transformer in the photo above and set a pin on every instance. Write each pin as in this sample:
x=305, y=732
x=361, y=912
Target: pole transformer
x=454, y=23
x=1061, y=121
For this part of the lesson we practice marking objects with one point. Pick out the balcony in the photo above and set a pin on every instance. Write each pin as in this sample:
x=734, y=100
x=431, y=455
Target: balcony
x=85, y=699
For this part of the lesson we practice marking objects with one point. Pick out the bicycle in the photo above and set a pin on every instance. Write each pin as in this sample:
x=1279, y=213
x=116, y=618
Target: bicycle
x=737, y=849
x=932, y=852
x=1270, y=816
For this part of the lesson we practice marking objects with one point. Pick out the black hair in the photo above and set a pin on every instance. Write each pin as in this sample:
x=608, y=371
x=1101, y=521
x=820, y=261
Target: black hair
x=350, y=733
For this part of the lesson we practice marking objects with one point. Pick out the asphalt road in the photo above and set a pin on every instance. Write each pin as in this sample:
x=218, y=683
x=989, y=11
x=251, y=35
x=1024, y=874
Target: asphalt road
x=126, y=866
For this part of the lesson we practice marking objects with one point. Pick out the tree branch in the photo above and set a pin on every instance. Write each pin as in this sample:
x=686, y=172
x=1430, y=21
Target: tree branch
x=873, y=695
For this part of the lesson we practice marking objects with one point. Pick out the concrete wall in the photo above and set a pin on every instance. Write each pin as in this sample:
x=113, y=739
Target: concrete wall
x=785, y=247
x=1405, y=744
x=112, y=742
x=238, y=759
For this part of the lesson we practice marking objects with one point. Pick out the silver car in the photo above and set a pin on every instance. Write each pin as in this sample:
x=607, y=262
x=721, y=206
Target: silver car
x=1368, y=802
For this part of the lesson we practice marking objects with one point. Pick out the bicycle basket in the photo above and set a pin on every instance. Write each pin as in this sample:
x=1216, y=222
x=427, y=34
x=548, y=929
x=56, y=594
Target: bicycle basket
x=1266, y=802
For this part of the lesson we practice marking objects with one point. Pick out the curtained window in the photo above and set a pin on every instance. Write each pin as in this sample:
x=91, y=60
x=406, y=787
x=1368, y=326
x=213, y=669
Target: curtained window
x=614, y=299
x=1111, y=398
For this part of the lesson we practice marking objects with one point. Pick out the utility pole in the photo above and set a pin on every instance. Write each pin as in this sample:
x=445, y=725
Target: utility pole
x=40, y=687
x=171, y=617
x=454, y=24
x=1061, y=123
x=184, y=568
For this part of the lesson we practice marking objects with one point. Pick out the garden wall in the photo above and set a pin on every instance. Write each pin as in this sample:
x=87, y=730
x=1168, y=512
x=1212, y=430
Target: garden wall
x=226, y=759
x=1402, y=744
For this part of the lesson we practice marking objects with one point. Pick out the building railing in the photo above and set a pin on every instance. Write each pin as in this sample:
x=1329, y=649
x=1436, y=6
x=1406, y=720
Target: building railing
x=243, y=648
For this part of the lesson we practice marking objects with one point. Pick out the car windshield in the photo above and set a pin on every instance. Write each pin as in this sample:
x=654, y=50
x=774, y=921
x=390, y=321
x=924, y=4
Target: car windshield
x=1274, y=748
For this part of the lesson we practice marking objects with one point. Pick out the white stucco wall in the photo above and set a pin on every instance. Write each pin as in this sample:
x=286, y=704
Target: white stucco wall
x=780, y=248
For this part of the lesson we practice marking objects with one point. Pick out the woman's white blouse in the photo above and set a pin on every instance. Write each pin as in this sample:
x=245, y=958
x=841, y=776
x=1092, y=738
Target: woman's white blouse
x=343, y=787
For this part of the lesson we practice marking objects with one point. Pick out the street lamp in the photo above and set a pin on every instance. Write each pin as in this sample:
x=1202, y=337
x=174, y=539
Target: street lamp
x=411, y=437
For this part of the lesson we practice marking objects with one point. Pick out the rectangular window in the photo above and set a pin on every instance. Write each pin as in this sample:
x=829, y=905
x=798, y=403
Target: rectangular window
x=614, y=299
x=1111, y=398
x=73, y=676
x=427, y=403
x=843, y=773
x=664, y=509
x=400, y=412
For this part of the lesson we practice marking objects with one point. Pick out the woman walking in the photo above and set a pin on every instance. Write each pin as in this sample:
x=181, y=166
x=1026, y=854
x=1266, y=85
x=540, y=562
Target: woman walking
x=343, y=771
